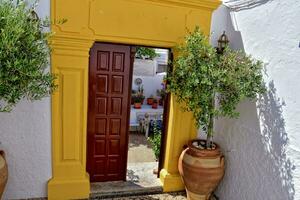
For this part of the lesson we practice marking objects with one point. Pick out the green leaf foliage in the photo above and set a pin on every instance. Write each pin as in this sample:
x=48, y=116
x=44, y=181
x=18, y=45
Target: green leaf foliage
x=24, y=55
x=155, y=140
x=211, y=85
x=145, y=52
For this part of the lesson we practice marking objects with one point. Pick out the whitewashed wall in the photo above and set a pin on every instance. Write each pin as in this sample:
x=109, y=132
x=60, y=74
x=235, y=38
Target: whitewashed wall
x=25, y=135
x=150, y=83
x=262, y=147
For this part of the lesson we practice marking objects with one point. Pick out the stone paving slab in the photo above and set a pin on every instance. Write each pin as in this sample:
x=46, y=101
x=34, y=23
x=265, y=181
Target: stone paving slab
x=164, y=196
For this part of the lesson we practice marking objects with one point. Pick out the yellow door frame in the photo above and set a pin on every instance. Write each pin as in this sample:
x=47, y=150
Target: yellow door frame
x=161, y=23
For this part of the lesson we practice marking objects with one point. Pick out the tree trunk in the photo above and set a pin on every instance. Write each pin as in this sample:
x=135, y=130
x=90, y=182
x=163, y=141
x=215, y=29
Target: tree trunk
x=210, y=129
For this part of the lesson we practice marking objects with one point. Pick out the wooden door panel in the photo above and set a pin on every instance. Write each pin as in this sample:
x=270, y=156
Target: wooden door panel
x=103, y=60
x=102, y=83
x=117, y=84
x=118, y=62
x=101, y=105
x=108, y=114
x=115, y=126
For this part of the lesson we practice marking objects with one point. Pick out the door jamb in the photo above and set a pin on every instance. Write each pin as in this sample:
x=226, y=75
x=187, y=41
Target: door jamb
x=132, y=56
x=165, y=118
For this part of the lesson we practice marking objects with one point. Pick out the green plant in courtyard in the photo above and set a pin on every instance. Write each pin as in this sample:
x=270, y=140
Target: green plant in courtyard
x=24, y=55
x=211, y=85
x=155, y=140
x=145, y=52
x=137, y=98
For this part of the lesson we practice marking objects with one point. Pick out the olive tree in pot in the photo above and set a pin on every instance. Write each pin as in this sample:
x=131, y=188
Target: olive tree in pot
x=24, y=56
x=209, y=85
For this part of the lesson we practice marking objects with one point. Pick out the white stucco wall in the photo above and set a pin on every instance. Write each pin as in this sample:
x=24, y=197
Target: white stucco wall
x=25, y=135
x=262, y=147
x=151, y=84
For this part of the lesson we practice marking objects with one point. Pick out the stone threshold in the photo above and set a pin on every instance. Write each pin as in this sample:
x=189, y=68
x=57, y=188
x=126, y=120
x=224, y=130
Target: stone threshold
x=121, y=189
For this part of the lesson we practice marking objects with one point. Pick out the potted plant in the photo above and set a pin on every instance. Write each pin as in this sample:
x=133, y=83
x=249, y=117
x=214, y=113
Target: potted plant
x=133, y=92
x=24, y=59
x=3, y=172
x=140, y=93
x=162, y=94
x=137, y=100
x=209, y=85
x=150, y=100
x=155, y=104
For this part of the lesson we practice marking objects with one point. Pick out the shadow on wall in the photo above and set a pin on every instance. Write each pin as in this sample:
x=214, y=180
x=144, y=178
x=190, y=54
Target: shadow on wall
x=275, y=139
x=255, y=144
x=257, y=166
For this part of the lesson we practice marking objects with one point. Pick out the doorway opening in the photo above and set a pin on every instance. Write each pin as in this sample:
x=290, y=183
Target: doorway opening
x=148, y=111
x=127, y=117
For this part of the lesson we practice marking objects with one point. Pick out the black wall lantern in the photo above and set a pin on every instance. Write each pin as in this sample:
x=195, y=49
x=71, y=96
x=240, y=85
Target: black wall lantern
x=222, y=43
x=34, y=15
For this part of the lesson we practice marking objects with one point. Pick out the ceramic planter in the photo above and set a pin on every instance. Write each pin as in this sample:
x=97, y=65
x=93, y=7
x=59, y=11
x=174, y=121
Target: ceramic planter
x=3, y=173
x=150, y=101
x=137, y=105
x=154, y=105
x=201, y=170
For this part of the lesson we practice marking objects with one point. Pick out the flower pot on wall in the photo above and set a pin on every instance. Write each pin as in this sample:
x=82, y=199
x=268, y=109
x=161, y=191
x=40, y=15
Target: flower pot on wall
x=154, y=105
x=137, y=105
x=3, y=173
x=201, y=170
x=150, y=101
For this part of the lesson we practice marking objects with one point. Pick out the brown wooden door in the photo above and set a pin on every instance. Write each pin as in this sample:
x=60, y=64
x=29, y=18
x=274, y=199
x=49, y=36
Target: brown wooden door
x=110, y=74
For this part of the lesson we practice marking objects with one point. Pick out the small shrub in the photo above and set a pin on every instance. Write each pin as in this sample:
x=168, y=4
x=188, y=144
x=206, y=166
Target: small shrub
x=155, y=140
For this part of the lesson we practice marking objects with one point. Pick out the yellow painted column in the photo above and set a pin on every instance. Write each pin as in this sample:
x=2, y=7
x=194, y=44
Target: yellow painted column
x=180, y=130
x=144, y=22
x=69, y=60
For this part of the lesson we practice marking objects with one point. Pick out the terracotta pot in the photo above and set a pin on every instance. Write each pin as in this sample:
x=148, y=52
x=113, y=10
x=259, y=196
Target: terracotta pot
x=150, y=101
x=154, y=105
x=3, y=172
x=137, y=105
x=201, y=170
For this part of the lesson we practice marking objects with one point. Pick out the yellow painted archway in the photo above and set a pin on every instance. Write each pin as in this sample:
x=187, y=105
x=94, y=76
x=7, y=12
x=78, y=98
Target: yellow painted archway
x=161, y=23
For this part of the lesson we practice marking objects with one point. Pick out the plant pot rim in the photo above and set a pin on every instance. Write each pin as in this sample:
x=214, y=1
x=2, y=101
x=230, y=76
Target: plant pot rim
x=209, y=152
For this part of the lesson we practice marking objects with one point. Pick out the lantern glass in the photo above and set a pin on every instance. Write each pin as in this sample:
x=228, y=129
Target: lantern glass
x=222, y=42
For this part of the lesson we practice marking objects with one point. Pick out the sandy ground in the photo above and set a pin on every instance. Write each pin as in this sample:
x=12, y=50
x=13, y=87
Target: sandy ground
x=139, y=149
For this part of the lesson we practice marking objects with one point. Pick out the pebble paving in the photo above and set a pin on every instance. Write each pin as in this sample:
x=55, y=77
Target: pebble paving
x=164, y=196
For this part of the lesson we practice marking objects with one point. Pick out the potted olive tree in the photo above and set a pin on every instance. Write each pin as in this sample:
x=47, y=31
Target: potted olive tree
x=209, y=85
x=24, y=55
